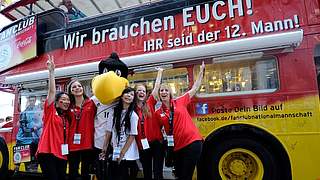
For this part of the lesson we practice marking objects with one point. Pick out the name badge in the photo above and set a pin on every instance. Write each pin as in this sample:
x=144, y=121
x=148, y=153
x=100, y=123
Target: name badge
x=164, y=134
x=116, y=153
x=158, y=105
x=145, y=144
x=64, y=149
x=76, y=138
x=170, y=140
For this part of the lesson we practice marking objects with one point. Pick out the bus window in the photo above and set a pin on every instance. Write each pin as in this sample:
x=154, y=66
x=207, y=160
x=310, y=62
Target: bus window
x=239, y=77
x=53, y=20
x=176, y=78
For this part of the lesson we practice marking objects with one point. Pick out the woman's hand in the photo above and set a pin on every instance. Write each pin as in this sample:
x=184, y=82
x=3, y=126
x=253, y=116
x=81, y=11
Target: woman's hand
x=104, y=150
x=122, y=153
x=156, y=87
x=159, y=69
x=102, y=156
x=50, y=63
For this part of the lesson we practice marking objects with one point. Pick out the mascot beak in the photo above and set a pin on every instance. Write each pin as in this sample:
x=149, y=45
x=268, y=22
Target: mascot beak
x=108, y=86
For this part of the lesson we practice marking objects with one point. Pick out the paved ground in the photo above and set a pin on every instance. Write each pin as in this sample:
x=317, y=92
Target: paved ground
x=167, y=175
x=27, y=177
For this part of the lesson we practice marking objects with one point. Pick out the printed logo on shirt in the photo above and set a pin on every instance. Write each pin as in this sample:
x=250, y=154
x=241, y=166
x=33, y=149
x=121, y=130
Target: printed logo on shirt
x=202, y=108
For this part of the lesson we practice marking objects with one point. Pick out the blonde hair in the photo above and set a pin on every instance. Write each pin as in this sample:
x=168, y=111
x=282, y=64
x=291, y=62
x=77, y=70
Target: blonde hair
x=165, y=85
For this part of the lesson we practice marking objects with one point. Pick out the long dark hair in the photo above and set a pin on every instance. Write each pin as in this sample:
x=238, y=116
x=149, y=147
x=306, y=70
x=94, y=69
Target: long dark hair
x=118, y=111
x=71, y=96
x=61, y=112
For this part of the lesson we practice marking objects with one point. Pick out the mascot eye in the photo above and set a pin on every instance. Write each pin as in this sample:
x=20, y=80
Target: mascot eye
x=118, y=72
x=105, y=70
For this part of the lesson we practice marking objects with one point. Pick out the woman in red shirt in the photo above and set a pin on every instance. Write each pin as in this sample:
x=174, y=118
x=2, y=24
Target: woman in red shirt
x=53, y=146
x=182, y=134
x=149, y=137
x=81, y=139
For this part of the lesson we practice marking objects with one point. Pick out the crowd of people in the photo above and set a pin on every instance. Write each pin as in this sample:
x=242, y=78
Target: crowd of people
x=108, y=139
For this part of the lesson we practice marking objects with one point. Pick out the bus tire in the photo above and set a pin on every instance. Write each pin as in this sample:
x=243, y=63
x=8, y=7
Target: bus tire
x=240, y=158
x=4, y=160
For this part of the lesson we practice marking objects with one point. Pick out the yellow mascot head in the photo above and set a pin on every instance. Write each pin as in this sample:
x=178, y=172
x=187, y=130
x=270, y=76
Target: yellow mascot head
x=111, y=81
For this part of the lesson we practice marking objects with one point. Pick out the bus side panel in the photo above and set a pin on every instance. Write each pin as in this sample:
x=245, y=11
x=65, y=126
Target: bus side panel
x=291, y=114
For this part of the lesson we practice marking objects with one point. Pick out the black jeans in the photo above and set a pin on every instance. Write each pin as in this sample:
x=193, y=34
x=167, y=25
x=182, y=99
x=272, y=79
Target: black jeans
x=153, y=157
x=126, y=170
x=86, y=157
x=52, y=167
x=187, y=159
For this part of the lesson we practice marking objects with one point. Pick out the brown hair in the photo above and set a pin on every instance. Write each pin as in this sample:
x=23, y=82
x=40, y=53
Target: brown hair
x=71, y=96
x=145, y=108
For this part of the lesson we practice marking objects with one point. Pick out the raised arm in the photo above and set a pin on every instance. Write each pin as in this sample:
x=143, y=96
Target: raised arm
x=197, y=84
x=52, y=83
x=155, y=90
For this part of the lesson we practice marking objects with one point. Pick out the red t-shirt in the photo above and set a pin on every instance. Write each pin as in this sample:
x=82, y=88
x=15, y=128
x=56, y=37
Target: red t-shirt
x=152, y=127
x=184, y=130
x=85, y=125
x=52, y=136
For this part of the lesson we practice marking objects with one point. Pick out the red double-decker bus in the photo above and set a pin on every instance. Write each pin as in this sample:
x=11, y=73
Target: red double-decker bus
x=257, y=108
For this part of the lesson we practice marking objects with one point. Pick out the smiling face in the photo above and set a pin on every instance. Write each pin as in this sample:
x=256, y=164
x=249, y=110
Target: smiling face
x=63, y=102
x=128, y=97
x=141, y=92
x=76, y=89
x=165, y=93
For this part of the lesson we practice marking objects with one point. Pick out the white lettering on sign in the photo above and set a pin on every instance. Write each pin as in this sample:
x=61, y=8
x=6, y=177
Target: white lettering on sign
x=187, y=22
x=20, y=27
x=278, y=25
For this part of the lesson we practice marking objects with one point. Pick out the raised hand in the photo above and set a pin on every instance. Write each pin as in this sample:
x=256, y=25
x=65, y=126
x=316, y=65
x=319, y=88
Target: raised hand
x=197, y=84
x=52, y=82
x=159, y=68
x=50, y=63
